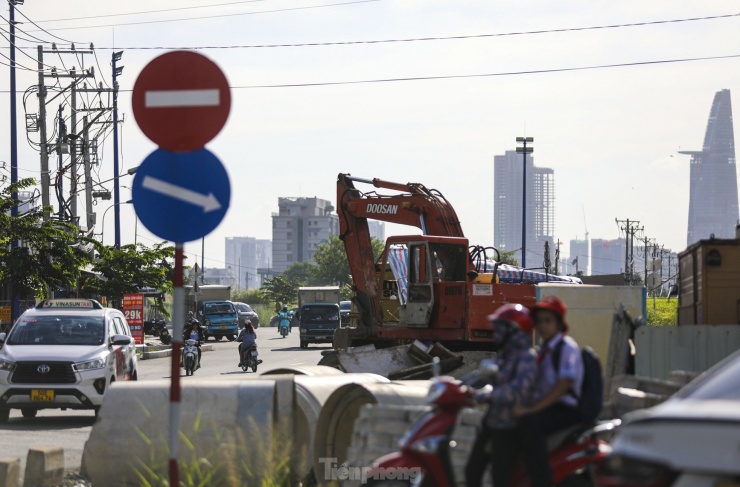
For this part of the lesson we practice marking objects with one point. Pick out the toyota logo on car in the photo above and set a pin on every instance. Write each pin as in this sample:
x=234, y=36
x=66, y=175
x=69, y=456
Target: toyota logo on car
x=43, y=369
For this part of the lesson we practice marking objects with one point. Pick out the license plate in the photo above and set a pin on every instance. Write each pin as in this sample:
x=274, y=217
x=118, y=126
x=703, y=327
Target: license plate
x=223, y=327
x=42, y=395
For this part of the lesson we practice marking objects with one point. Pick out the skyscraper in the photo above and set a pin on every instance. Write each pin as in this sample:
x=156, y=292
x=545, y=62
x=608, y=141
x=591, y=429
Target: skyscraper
x=507, y=207
x=713, y=207
x=607, y=256
x=244, y=256
x=579, y=256
x=300, y=226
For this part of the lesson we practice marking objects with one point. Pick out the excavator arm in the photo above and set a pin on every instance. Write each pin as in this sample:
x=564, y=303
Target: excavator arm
x=415, y=206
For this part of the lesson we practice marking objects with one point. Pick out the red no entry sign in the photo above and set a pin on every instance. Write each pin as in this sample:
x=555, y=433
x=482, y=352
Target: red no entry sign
x=181, y=101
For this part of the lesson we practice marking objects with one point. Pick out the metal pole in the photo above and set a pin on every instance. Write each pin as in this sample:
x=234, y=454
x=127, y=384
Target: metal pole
x=73, y=154
x=524, y=206
x=203, y=260
x=90, y=221
x=60, y=182
x=116, y=189
x=178, y=319
x=15, y=308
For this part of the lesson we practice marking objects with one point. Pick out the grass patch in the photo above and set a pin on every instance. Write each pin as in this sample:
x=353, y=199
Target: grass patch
x=265, y=312
x=662, y=311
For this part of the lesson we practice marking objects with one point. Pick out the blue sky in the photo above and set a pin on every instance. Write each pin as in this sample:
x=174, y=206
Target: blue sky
x=611, y=135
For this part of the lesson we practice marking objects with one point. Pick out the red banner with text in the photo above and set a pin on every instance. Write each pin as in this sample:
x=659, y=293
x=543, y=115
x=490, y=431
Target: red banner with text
x=133, y=310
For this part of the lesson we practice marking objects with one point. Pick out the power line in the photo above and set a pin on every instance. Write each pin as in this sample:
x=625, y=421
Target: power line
x=41, y=29
x=150, y=11
x=441, y=38
x=208, y=16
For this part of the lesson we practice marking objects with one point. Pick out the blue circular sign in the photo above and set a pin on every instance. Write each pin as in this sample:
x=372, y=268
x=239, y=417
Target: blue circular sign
x=181, y=196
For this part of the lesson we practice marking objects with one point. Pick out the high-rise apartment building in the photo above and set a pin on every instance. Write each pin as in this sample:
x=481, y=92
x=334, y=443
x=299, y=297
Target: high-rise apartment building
x=713, y=206
x=377, y=229
x=607, y=256
x=299, y=227
x=579, y=256
x=244, y=256
x=507, y=207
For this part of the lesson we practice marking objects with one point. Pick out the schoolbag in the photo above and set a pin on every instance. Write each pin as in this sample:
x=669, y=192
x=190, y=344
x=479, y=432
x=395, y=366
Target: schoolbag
x=591, y=398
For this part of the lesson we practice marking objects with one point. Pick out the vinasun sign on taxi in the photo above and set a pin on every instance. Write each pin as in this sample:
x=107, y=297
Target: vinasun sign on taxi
x=133, y=310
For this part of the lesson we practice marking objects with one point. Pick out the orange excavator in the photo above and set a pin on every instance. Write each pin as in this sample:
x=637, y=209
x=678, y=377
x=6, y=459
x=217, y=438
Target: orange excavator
x=429, y=287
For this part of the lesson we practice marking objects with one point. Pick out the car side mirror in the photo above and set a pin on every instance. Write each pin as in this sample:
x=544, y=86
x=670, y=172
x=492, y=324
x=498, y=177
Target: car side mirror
x=3, y=336
x=121, y=340
x=489, y=368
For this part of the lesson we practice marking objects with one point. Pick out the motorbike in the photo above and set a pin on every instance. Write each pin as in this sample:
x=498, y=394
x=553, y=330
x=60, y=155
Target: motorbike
x=250, y=359
x=190, y=357
x=159, y=328
x=425, y=449
x=285, y=326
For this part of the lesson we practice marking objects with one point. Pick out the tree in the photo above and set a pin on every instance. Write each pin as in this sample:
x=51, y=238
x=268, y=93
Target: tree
x=332, y=266
x=48, y=256
x=508, y=258
x=130, y=268
x=304, y=273
x=279, y=290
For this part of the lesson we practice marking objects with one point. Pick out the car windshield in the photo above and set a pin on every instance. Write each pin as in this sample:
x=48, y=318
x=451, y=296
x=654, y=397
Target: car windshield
x=58, y=330
x=722, y=384
x=345, y=305
x=319, y=314
x=243, y=308
x=219, y=308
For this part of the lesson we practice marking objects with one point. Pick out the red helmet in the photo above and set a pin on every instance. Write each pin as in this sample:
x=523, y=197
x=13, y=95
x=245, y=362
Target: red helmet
x=554, y=305
x=515, y=313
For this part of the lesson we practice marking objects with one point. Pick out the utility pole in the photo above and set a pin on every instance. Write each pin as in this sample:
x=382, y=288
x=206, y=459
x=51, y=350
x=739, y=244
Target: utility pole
x=630, y=228
x=557, y=257
x=524, y=151
x=116, y=191
x=16, y=304
x=45, y=184
x=61, y=141
x=73, y=156
x=646, y=242
x=548, y=263
x=90, y=221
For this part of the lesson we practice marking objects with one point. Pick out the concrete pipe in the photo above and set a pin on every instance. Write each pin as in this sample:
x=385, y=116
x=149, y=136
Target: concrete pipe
x=222, y=422
x=310, y=370
x=311, y=393
x=335, y=426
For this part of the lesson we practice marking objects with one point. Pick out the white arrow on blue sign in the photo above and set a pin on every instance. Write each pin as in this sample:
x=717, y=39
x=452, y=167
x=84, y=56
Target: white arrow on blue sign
x=181, y=196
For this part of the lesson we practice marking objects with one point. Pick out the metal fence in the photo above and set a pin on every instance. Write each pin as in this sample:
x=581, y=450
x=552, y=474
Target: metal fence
x=663, y=349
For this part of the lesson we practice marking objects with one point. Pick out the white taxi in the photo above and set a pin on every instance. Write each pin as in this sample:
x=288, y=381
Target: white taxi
x=64, y=354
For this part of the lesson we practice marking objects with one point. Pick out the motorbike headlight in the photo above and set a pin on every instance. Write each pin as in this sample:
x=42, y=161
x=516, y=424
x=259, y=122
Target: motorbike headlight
x=7, y=365
x=98, y=363
x=428, y=445
x=435, y=392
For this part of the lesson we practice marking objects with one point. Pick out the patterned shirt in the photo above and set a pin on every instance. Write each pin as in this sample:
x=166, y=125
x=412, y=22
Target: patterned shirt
x=570, y=367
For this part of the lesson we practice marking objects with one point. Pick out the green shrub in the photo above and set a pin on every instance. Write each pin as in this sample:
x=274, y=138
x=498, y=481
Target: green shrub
x=662, y=311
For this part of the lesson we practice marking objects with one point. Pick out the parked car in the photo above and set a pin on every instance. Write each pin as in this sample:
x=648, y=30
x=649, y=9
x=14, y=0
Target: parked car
x=345, y=307
x=690, y=440
x=246, y=313
x=64, y=354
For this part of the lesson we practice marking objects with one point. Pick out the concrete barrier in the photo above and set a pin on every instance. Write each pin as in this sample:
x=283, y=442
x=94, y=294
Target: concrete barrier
x=335, y=425
x=168, y=352
x=10, y=472
x=230, y=425
x=44, y=467
x=310, y=370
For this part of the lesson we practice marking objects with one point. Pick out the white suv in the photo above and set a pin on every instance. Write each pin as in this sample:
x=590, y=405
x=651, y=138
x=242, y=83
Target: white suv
x=64, y=354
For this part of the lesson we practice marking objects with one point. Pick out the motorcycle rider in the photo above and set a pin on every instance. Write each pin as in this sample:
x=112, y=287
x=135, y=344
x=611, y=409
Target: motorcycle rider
x=284, y=315
x=512, y=386
x=247, y=339
x=556, y=391
x=192, y=332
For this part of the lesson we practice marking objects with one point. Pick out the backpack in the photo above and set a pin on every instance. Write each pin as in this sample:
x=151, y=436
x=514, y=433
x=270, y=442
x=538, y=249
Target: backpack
x=591, y=398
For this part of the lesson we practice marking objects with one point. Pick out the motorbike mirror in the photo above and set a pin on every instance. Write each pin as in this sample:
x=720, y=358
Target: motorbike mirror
x=488, y=368
x=436, y=368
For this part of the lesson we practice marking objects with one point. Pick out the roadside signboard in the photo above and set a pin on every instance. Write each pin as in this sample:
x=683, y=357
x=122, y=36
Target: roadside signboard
x=5, y=314
x=181, y=101
x=133, y=310
x=181, y=197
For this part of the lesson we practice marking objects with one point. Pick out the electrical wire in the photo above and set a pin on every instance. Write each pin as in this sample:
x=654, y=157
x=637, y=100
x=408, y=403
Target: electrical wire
x=440, y=38
x=41, y=29
x=204, y=17
x=151, y=11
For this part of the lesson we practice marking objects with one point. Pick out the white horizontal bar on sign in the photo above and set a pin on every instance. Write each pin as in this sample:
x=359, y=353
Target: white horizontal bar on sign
x=181, y=98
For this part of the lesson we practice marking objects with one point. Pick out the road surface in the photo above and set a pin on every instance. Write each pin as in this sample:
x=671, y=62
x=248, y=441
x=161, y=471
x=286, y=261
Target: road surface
x=70, y=429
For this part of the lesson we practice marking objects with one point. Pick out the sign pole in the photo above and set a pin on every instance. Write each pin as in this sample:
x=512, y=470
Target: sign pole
x=178, y=319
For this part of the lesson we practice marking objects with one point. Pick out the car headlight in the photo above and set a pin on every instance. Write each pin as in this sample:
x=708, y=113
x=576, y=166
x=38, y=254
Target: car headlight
x=428, y=445
x=98, y=363
x=6, y=365
x=435, y=392
x=304, y=330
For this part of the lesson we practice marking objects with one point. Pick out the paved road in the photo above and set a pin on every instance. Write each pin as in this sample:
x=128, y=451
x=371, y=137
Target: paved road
x=70, y=429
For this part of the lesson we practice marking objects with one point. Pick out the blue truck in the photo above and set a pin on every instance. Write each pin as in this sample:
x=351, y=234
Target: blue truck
x=215, y=311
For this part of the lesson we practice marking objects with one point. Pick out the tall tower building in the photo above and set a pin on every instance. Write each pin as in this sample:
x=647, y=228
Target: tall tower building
x=244, y=256
x=713, y=207
x=299, y=227
x=579, y=256
x=507, y=207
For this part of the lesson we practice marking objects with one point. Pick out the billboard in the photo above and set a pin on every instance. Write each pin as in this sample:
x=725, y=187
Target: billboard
x=133, y=310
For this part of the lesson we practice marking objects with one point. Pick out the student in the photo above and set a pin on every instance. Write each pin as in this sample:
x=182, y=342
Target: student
x=513, y=385
x=556, y=391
